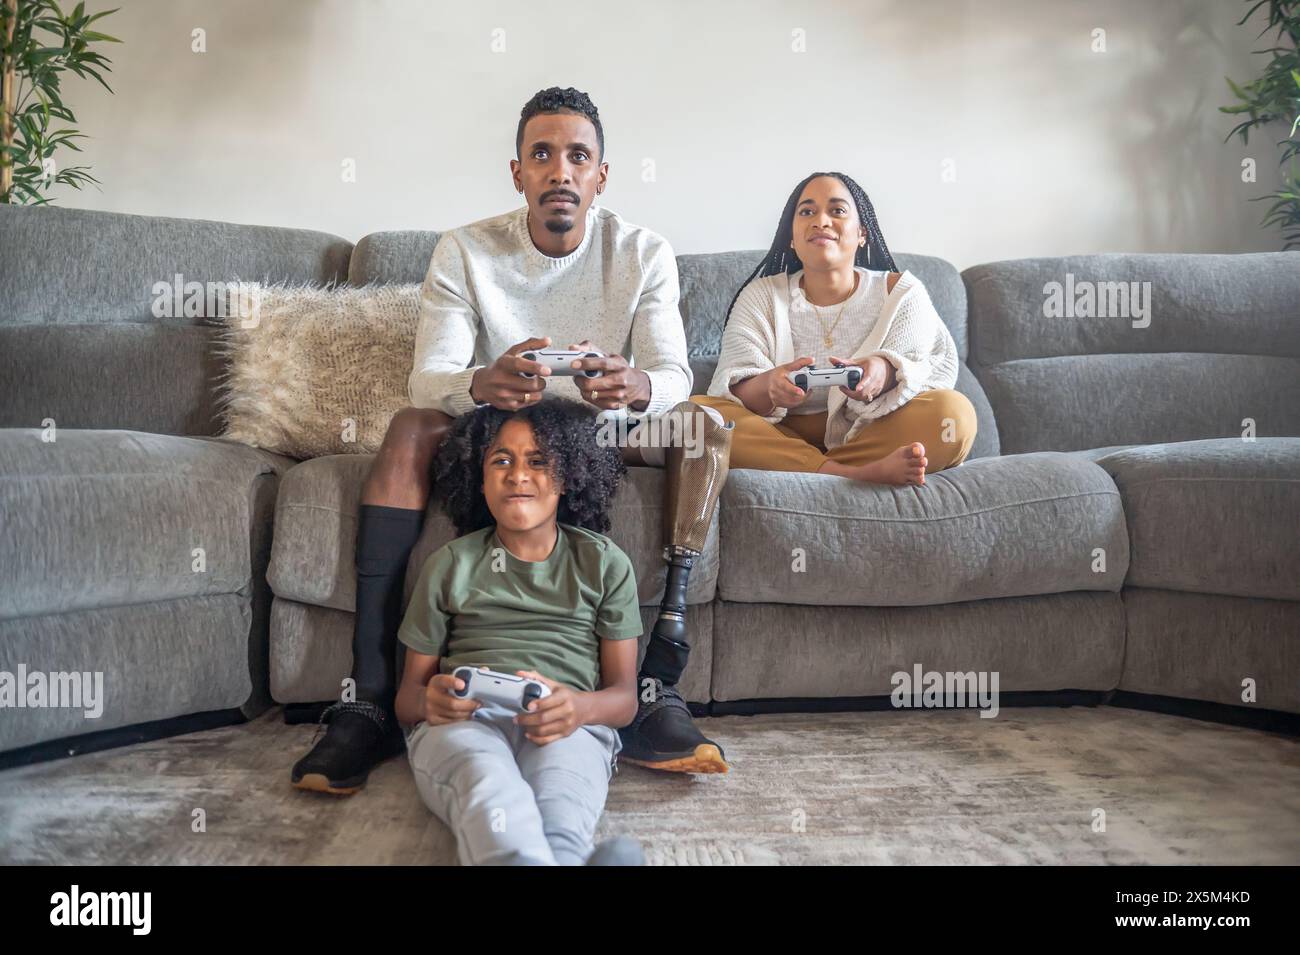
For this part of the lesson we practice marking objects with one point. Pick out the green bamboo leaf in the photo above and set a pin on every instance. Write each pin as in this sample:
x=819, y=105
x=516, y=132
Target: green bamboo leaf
x=1237, y=90
x=94, y=17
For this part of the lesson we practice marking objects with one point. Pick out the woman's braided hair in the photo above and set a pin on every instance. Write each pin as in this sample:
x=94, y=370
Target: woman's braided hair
x=781, y=258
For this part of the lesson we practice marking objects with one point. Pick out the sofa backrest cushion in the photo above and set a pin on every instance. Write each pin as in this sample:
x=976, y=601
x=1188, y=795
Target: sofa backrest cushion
x=708, y=282
x=1090, y=351
x=392, y=258
x=81, y=337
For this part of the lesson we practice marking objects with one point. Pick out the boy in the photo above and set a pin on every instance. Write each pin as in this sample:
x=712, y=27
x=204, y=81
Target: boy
x=530, y=588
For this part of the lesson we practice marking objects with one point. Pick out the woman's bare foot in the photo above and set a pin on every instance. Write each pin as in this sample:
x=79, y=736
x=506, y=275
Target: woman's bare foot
x=903, y=467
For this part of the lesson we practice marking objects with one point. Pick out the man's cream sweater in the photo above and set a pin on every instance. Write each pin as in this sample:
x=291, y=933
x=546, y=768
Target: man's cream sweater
x=488, y=287
x=908, y=333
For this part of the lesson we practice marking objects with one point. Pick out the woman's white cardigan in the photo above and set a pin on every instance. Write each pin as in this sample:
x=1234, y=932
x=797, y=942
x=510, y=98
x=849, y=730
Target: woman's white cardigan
x=909, y=333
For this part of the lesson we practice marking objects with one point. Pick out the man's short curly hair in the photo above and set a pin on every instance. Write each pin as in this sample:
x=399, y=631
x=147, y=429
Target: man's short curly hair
x=556, y=100
x=566, y=433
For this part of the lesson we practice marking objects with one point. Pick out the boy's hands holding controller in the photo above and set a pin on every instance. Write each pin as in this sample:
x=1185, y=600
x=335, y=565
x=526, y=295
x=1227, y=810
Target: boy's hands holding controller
x=555, y=716
x=441, y=705
x=551, y=718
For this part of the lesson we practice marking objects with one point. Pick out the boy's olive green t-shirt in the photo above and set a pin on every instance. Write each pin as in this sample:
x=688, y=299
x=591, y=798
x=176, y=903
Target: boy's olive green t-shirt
x=477, y=604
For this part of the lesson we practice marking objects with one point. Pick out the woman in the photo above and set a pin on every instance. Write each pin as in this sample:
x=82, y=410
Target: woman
x=828, y=288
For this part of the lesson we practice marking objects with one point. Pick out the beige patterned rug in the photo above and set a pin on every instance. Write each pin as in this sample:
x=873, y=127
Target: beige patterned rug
x=885, y=787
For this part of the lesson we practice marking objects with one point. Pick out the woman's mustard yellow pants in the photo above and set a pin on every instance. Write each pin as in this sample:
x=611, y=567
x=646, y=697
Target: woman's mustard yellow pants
x=943, y=420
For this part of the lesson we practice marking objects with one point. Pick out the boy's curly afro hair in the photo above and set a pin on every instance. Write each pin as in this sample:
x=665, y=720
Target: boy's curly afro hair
x=566, y=434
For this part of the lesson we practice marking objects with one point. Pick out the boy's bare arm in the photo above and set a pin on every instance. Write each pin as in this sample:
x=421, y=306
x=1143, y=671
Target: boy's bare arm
x=614, y=704
x=426, y=695
x=420, y=667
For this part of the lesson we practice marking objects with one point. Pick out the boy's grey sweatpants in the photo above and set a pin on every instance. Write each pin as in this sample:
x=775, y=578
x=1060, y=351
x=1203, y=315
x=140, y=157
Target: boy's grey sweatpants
x=507, y=800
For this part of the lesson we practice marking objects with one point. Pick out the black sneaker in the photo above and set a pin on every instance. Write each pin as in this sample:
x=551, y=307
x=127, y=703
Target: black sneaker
x=360, y=736
x=663, y=736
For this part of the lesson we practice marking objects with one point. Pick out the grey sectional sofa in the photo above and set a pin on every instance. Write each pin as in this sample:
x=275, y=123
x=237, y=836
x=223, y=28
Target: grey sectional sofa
x=1112, y=530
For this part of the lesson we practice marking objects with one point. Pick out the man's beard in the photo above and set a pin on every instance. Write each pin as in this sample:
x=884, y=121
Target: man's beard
x=559, y=225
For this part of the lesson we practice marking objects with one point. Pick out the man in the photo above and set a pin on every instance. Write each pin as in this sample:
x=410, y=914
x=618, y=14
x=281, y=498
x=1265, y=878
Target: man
x=558, y=272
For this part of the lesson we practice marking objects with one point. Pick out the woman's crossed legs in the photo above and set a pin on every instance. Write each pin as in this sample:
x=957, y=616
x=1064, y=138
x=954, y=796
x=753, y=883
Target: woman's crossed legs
x=933, y=431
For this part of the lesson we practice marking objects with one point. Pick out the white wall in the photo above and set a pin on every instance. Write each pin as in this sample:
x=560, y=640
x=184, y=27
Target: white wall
x=1057, y=149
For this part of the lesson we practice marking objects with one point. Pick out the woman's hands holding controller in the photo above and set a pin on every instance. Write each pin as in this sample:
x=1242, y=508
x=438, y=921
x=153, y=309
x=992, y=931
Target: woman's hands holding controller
x=764, y=393
x=877, y=377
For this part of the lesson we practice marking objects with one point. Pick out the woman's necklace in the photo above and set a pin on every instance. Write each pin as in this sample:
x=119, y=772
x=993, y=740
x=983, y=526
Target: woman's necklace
x=827, y=333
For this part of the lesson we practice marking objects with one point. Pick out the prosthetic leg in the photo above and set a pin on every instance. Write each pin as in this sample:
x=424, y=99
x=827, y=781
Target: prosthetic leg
x=663, y=735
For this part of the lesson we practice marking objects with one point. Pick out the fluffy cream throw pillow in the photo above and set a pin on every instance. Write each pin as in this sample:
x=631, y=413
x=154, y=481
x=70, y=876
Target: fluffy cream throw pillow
x=317, y=370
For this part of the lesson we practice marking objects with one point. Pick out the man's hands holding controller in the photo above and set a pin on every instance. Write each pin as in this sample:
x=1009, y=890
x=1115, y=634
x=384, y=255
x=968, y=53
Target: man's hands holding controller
x=620, y=385
x=502, y=384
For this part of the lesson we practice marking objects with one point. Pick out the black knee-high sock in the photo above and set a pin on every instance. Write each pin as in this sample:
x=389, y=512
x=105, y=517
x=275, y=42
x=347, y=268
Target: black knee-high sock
x=385, y=536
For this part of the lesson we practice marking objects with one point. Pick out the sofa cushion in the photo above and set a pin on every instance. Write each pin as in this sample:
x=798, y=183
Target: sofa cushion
x=1206, y=647
x=157, y=378
x=149, y=367
x=1217, y=516
x=397, y=257
x=313, y=557
x=1085, y=401
x=1230, y=304
x=992, y=527
x=1070, y=641
x=159, y=659
x=105, y=518
x=1092, y=350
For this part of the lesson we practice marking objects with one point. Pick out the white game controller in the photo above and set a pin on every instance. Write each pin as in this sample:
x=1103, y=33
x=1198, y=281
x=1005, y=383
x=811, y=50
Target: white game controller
x=489, y=686
x=559, y=361
x=814, y=377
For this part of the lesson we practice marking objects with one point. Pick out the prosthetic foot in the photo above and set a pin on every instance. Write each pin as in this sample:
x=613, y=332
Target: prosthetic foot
x=663, y=735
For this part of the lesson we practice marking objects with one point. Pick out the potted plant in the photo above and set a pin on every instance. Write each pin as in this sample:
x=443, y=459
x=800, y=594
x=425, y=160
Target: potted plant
x=40, y=44
x=1275, y=97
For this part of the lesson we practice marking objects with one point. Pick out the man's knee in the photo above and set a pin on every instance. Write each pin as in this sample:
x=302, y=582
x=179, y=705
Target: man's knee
x=416, y=431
